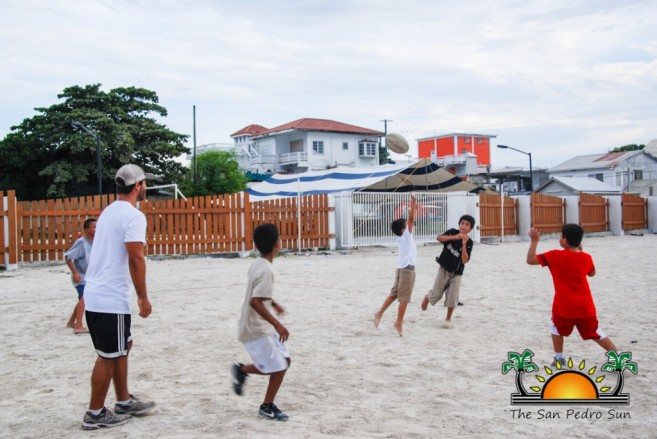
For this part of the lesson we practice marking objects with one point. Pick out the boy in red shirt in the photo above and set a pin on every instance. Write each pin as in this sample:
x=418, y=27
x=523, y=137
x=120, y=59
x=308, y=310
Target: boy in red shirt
x=573, y=303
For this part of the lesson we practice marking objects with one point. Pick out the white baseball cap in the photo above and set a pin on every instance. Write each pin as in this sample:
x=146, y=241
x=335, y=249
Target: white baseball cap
x=129, y=174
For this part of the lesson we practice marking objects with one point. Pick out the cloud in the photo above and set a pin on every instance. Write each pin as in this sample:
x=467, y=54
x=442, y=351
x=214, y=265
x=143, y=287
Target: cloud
x=552, y=77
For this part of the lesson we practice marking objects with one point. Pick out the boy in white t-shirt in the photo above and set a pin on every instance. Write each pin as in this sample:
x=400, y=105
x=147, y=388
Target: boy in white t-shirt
x=266, y=348
x=402, y=288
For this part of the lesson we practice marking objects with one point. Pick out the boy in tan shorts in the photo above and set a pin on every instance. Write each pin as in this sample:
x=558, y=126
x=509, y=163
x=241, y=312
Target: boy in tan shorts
x=457, y=248
x=402, y=288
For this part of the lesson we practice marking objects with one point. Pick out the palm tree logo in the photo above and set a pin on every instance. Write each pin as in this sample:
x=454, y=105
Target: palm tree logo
x=522, y=364
x=571, y=384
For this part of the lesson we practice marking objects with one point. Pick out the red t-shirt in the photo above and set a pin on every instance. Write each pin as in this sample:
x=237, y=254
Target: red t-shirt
x=572, y=294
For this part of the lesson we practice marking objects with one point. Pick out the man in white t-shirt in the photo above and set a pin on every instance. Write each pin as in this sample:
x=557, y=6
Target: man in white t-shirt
x=402, y=289
x=117, y=264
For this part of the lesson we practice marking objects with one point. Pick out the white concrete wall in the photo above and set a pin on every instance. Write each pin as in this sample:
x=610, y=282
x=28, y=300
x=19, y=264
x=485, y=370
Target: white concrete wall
x=572, y=209
x=524, y=216
x=615, y=214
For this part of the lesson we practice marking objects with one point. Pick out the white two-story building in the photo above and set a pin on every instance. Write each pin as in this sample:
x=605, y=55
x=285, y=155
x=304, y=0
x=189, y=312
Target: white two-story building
x=305, y=145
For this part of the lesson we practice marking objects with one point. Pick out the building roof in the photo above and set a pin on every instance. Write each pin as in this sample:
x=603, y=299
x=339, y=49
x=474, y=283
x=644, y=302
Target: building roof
x=442, y=136
x=252, y=129
x=581, y=184
x=594, y=161
x=325, y=125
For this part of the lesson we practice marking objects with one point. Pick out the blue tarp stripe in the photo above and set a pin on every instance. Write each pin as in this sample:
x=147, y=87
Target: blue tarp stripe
x=294, y=193
x=335, y=175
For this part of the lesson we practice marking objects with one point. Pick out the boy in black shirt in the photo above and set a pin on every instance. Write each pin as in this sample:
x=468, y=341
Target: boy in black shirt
x=457, y=248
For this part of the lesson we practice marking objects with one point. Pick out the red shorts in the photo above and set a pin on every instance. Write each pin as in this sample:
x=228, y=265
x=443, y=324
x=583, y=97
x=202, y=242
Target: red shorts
x=587, y=327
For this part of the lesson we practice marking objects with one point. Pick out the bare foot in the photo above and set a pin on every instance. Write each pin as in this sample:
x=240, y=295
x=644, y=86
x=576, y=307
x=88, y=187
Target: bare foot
x=70, y=325
x=447, y=324
x=425, y=302
x=398, y=327
x=377, y=319
x=80, y=331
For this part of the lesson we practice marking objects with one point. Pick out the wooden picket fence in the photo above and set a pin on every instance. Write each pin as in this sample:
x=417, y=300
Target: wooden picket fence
x=548, y=213
x=635, y=212
x=44, y=230
x=593, y=213
x=490, y=219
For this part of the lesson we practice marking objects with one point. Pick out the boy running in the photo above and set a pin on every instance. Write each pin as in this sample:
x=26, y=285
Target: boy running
x=266, y=348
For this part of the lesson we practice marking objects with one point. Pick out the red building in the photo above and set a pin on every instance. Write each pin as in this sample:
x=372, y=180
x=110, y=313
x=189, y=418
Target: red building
x=461, y=153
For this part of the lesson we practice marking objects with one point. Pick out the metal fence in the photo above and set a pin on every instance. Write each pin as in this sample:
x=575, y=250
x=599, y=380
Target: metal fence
x=363, y=218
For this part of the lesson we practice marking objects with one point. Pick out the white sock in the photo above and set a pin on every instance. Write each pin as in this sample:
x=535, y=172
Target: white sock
x=559, y=356
x=95, y=412
x=123, y=402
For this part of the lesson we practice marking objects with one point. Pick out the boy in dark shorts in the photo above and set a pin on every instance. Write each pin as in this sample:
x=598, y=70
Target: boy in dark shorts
x=573, y=302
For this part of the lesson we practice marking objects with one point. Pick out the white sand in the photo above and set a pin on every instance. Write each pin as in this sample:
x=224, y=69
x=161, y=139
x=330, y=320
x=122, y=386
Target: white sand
x=347, y=379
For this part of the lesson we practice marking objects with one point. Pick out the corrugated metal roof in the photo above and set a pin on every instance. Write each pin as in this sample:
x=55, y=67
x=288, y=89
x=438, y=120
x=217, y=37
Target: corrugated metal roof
x=594, y=161
x=584, y=184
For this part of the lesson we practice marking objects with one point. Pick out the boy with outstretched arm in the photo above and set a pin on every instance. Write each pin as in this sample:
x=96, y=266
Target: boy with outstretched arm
x=402, y=288
x=573, y=302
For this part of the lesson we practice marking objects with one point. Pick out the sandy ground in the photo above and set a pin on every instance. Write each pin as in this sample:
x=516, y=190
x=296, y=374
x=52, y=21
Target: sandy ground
x=347, y=378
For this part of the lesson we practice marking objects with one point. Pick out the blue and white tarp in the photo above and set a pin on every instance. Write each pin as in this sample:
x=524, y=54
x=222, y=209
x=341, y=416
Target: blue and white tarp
x=420, y=176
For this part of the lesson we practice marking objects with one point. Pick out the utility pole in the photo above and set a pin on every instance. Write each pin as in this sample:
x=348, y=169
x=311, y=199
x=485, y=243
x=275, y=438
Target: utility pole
x=195, y=161
x=385, y=134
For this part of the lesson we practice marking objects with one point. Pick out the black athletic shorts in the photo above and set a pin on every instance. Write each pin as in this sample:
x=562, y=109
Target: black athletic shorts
x=110, y=333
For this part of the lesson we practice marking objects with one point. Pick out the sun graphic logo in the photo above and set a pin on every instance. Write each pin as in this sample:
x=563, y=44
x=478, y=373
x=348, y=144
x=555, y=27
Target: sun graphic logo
x=570, y=384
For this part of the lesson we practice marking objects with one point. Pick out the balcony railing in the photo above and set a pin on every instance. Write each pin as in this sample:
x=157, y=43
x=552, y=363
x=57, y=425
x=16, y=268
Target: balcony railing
x=293, y=158
x=262, y=159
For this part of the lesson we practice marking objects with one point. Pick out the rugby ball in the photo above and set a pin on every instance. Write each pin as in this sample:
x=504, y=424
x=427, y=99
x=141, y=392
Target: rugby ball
x=397, y=143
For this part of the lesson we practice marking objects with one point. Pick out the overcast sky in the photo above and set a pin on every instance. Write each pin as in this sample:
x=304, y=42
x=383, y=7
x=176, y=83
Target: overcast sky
x=556, y=78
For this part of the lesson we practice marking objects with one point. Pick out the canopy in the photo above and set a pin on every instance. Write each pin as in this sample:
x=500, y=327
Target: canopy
x=420, y=176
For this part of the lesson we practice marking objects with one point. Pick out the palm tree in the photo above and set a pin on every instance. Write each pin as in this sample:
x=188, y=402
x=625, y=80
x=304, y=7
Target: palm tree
x=521, y=364
x=618, y=363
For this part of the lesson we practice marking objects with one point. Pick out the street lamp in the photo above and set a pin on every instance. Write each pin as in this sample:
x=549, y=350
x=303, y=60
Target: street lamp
x=99, y=164
x=531, y=171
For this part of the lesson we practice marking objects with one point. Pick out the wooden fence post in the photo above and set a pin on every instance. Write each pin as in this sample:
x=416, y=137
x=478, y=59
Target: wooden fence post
x=247, y=220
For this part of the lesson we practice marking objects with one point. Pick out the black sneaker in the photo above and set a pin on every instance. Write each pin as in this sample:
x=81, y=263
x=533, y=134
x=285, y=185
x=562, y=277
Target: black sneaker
x=136, y=407
x=238, y=377
x=270, y=411
x=460, y=304
x=105, y=419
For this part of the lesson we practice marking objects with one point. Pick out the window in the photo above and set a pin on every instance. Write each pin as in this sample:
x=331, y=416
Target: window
x=638, y=174
x=466, y=140
x=596, y=176
x=367, y=149
x=318, y=146
x=345, y=146
x=480, y=140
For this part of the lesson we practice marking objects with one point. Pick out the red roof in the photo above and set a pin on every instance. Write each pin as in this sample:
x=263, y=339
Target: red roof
x=252, y=129
x=325, y=125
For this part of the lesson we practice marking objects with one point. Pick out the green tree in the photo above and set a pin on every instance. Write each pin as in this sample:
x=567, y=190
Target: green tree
x=625, y=148
x=46, y=157
x=218, y=173
x=384, y=155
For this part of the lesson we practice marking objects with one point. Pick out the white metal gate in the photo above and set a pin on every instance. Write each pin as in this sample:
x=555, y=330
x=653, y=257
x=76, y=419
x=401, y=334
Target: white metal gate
x=363, y=218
